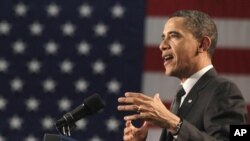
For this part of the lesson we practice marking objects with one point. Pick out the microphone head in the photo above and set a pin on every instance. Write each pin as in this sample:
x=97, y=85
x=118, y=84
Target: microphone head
x=91, y=105
x=94, y=103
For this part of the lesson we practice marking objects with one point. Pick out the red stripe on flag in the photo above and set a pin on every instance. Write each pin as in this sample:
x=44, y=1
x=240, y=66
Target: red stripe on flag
x=232, y=61
x=215, y=8
x=226, y=61
x=152, y=59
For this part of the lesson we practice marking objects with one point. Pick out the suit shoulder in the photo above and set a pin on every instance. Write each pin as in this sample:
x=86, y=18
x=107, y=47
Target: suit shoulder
x=224, y=85
x=223, y=81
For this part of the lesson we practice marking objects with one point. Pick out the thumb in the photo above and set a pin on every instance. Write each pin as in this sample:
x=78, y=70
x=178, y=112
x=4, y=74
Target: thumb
x=146, y=125
x=157, y=97
x=128, y=123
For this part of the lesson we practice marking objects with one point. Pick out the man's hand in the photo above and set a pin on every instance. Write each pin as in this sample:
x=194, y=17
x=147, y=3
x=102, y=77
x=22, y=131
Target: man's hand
x=131, y=133
x=148, y=109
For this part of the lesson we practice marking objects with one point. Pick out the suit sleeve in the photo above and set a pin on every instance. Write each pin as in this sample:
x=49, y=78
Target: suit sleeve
x=225, y=106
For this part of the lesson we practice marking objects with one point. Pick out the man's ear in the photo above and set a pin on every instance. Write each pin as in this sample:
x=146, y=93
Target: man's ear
x=204, y=44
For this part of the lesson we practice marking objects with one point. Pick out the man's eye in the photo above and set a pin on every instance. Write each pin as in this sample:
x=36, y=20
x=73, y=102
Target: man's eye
x=174, y=35
x=162, y=37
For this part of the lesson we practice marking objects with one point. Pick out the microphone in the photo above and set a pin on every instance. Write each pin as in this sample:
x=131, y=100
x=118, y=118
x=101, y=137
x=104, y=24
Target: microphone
x=90, y=105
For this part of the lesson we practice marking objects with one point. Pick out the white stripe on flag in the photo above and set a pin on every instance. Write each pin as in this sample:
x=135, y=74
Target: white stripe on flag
x=231, y=32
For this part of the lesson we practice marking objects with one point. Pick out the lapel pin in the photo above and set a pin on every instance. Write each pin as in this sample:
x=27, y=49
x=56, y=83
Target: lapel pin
x=190, y=100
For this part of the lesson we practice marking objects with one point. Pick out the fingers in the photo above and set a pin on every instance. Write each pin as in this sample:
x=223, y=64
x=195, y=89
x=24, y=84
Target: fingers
x=132, y=102
x=137, y=95
x=128, y=108
x=129, y=100
x=128, y=123
x=128, y=137
x=135, y=99
x=131, y=133
x=141, y=115
x=128, y=131
x=131, y=97
x=137, y=108
x=128, y=127
x=132, y=117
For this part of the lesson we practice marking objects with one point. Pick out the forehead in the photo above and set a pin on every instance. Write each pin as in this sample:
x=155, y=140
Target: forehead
x=175, y=24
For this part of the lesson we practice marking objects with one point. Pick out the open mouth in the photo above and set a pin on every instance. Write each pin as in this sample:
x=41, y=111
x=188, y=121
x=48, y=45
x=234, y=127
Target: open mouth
x=168, y=57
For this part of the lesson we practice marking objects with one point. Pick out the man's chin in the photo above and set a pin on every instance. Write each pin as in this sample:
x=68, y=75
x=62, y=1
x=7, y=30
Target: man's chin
x=168, y=72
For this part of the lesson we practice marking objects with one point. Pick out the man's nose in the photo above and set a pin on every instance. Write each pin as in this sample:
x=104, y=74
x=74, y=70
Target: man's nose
x=164, y=45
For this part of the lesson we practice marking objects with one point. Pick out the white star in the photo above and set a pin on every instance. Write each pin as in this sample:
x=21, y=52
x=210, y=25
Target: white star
x=66, y=66
x=85, y=10
x=15, y=122
x=20, y=9
x=117, y=11
x=81, y=124
x=34, y=66
x=83, y=48
x=32, y=104
x=116, y=49
x=98, y=67
x=114, y=86
x=64, y=104
x=68, y=29
x=3, y=103
x=49, y=85
x=81, y=85
x=100, y=29
x=2, y=138
x=4, y=27
x=53, y=10
x=112, y=124
x=19, y=47
x=36, y=28
x=3, y=65
x=51, y=47
x=47, y=123
x=30, y=138
x=16, y=84
x=96, y=138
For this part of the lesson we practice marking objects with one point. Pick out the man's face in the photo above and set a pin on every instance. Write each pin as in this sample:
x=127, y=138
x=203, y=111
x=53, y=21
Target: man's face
x=179, y=49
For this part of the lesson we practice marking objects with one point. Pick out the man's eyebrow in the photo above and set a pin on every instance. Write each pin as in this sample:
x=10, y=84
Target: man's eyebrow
x=173, y=32
x=170, y=32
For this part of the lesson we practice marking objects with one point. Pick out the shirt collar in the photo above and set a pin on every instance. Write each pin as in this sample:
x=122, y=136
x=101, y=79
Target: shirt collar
x=190, y=82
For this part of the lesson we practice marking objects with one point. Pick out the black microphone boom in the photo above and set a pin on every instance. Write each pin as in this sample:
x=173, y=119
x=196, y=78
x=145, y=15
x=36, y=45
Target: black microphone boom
x=91, y=105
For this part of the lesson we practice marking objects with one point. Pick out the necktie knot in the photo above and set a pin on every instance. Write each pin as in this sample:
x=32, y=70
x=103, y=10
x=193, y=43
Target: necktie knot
x=180, y=93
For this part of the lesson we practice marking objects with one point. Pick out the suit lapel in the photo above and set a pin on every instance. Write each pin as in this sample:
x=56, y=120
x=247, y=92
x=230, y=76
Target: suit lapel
x=193, y=95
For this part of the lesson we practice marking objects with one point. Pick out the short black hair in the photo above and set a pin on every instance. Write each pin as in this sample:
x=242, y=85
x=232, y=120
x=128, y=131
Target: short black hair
x=200, y=24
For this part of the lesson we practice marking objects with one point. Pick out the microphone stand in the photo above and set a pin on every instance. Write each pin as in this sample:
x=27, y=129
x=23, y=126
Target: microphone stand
x=65, y=128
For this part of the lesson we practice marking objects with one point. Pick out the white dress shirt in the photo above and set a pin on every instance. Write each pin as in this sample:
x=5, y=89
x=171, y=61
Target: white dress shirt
x=190, y=82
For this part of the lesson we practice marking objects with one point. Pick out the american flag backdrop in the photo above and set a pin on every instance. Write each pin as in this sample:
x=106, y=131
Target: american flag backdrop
x=55, y=53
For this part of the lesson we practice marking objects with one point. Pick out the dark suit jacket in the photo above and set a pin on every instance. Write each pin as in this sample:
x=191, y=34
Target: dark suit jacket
x=208, y=110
